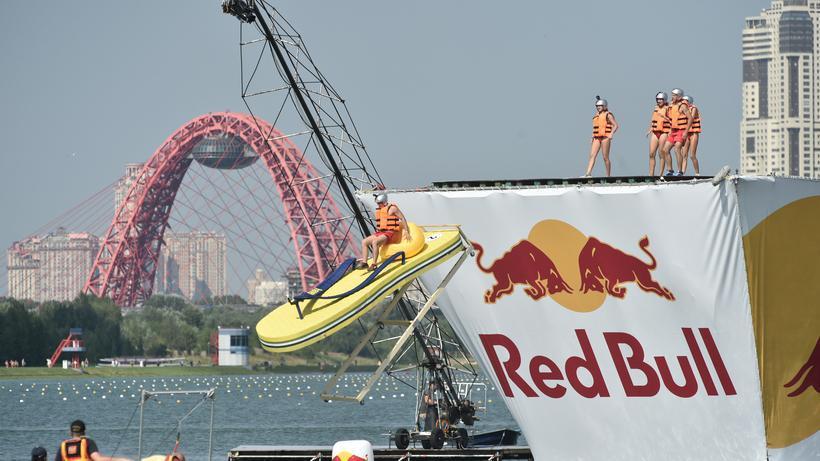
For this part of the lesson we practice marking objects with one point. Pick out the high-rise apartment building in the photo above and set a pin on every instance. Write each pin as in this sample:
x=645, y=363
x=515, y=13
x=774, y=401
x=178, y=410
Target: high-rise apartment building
x=51, y=267
x=193, y=264
x=780, y=128
x=122, y=186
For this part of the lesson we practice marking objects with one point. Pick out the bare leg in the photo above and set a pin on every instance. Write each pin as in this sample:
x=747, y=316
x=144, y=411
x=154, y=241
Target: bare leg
x=606, y=143
x=667, y=157
x=375, y=245
x=693, y=151
x=593, y=153
x=685, y=155
x=663, y=162
x=366, y=243
x=653, y=148
x=679, y=154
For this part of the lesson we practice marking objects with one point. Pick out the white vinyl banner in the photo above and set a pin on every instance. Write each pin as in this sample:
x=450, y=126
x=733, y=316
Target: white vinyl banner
x=614, y=320
x=780, y=221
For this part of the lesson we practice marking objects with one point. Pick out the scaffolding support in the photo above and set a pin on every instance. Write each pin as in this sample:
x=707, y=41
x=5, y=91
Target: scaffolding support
x=397, y=346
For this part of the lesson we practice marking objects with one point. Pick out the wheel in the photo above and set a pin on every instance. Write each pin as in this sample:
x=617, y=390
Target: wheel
x=425, y=443
x=402, y=437
x=437, y=439
x=463, y=438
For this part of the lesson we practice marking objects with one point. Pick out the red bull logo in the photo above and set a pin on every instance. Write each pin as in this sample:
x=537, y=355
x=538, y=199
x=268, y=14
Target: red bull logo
x=524, y=264
x=576, y=271
x=808, y=375
x=783, y=293
x=345, y=455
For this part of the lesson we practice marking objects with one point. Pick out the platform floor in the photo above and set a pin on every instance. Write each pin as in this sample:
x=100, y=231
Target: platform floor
x=548, y=182
x=309, y=453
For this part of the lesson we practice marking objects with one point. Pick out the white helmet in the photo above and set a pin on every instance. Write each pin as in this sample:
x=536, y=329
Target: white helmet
x=600, y=102
x=381, y=198
x=662, y=95
x=677, y=92
x=689, y=99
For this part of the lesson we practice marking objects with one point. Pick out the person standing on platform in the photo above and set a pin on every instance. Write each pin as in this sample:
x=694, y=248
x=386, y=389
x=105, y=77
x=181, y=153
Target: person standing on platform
x=690, y=149
x=603, y=127
x=659, y=127
x=681, y=122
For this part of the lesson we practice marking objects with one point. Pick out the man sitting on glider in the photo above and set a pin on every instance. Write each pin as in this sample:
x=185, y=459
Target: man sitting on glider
x=389, y=222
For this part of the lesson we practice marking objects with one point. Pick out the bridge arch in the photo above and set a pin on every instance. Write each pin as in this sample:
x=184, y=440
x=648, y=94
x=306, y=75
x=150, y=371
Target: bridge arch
x=126, y=264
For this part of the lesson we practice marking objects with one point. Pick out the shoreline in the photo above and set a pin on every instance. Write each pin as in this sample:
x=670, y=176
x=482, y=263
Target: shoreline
x=165, y=371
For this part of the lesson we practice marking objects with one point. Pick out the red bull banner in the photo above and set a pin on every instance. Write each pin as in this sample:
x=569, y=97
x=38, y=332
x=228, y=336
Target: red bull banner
x=780, y=221
x=643, y=321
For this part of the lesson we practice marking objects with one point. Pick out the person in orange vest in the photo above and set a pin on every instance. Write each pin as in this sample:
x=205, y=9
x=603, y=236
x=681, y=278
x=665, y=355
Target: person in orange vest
x=659, y=127
x=603, y=127
x=691, y=147
x=681, y=123
x=81, y=448
x=390, y=227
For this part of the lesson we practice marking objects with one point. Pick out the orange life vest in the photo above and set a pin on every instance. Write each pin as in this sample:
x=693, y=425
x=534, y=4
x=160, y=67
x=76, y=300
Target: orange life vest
x=678, y=119
x=386, y=222
x=75, y=449
x=659, y=119
x=601, y=126
x=695, y=128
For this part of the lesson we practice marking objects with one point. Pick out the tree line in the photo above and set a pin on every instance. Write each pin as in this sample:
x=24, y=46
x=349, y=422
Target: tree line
x=164, y=326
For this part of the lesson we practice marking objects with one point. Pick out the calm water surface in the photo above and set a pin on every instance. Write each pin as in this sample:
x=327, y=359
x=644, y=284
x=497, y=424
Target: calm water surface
x=249, y=410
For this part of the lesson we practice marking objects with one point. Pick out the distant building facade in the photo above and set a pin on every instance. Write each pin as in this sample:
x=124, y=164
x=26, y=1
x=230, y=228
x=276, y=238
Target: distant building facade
x=780, y=127
x=259, y=276
x=121, y=188
x=263, y=291
x=51, y=267
x=230, y=347
x=271, y=292
x=193, y=264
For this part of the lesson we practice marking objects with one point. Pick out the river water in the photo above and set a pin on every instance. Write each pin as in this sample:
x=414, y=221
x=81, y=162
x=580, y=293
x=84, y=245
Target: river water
x=248, y=410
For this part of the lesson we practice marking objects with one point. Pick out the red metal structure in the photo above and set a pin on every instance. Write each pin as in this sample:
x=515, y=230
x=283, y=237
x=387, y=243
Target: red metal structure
x=72, y=344
x=126, y=264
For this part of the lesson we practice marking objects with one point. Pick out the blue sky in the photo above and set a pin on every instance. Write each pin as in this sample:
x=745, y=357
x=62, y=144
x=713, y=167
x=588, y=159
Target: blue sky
x=438, y=89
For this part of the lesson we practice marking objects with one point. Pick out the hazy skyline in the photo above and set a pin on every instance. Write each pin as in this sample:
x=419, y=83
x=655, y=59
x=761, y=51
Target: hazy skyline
x=439, y=90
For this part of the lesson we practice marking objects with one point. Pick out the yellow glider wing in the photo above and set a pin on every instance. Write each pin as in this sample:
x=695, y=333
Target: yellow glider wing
x=282, y=330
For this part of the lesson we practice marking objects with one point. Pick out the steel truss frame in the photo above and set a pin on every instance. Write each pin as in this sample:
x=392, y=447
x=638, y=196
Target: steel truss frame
x=412, y=327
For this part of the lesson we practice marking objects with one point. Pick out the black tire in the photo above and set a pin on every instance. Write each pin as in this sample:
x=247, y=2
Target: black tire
x=437, y=439
x=402, y=438
x=463, y=439
x=425, y=443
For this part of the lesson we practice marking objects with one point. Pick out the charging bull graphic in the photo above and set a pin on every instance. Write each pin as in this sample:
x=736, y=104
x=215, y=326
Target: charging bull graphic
x=575, y=270
x=809, y=373
x=604, y=267
x=524, y=264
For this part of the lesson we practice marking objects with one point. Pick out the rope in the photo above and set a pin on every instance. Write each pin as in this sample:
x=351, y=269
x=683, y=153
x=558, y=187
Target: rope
x=178, y=426
x=125, y=431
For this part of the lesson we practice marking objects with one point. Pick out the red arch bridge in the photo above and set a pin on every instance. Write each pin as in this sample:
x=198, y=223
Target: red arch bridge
x=126, y=265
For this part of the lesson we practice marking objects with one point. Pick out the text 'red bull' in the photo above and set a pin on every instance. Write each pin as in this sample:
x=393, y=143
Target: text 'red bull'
x=628, y=357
